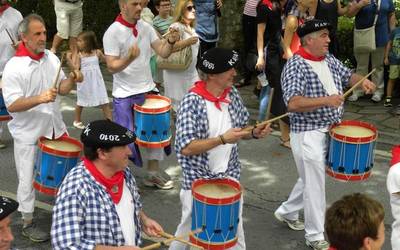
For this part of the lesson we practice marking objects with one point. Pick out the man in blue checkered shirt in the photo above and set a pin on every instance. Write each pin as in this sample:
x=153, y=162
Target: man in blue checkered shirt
x=208, y=126
x=98, y=206
x=313, y=82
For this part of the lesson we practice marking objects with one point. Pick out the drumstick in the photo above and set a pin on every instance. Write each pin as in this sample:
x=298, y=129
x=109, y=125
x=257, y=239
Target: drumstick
x=164, y=242
x=250, y=128
x=59, y=70
x=9, y=35
x=170, y=236
x=358, y=83
x=166, y=34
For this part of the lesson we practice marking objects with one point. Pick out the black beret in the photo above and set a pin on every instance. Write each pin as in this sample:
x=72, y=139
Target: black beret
x=7, y=206
x=105, y=133
x=312, y=26
x=218, y=60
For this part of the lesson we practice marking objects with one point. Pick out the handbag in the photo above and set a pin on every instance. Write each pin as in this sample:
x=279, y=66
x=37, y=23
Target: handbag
x=179, y=60
x=364, y=39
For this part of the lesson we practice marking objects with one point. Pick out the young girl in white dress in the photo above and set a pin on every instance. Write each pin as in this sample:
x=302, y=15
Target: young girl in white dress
x=92, y=91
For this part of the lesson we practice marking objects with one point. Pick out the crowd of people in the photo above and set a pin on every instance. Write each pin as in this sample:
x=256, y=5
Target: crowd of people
x=98, y=203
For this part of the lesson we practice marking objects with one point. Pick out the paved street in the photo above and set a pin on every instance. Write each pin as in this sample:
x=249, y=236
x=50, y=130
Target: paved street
x=268, y=175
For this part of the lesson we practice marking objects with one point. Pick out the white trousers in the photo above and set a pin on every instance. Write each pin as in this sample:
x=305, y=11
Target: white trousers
x=309, y=151
x=155, y=154
x=185, y=225
x=25, y=156
x=377, y=57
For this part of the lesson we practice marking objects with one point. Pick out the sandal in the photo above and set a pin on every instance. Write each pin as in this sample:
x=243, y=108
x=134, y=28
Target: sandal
x=285, y=143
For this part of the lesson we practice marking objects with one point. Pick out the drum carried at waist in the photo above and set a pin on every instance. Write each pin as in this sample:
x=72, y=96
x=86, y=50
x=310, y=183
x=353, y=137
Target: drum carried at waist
x=55, y=159
x=216, y=205
x=4, y=116
x=152, y=122
x=351, y=150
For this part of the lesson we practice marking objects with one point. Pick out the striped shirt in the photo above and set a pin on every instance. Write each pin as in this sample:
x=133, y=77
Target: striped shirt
x=161, y=24
x=250, y=8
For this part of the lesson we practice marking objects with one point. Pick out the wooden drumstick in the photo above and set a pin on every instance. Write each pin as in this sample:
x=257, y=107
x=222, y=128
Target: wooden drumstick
x=170, y=236
x=250, y=128
x=358, y=83
x=9, y=35
x=58, y=72
x=159, y=244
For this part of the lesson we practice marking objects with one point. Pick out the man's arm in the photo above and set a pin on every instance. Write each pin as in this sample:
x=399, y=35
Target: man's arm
x=164, y=47
x=368, y=86
x=26, y=103
x=354, y=7
x=116, y=64
x=308, y=104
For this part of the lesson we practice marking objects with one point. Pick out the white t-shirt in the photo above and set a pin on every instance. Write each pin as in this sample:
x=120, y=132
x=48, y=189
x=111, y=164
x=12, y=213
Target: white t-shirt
x=9, y=20
x=126, y=210
x=25, y=77
x=393, y=186
x=136, y=77
x=325, y=76
x=219, y=122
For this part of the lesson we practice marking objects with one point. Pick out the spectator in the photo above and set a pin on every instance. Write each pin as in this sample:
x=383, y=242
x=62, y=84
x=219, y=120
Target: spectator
x=7, y=207
x=364, y=11
x=178, y=82
x=355, y=222
x=393, y=187
x=69, y=23
x=10, y=18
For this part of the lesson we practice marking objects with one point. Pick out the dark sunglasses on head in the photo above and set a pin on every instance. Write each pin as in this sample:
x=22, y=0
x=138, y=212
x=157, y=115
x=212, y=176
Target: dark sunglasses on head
x=190, y=8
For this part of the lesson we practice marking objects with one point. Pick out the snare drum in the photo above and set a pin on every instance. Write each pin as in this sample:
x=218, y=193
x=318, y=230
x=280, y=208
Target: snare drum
x=152, y=122
x=55, y=159
x=4, y=116
x=216, y=205
x=351, y=150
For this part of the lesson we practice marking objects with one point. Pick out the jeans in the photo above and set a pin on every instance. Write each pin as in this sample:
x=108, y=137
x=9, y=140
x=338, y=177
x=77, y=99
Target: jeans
x=264, y=98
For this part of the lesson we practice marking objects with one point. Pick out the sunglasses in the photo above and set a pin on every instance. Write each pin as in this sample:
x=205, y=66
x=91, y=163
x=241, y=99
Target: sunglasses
x=190, y=8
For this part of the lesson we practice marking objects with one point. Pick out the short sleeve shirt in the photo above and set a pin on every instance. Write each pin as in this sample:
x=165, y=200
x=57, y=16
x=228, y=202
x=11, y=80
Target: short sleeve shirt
x=136, y=77
x=394, y=54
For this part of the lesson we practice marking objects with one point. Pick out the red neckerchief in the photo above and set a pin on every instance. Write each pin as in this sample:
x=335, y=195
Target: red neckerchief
x=121, y=20
x=3, y=8
x=303, y=53
x=23, y=51
x=113, y=185
x=200, y=89
x=395, y=155
x=267, y=3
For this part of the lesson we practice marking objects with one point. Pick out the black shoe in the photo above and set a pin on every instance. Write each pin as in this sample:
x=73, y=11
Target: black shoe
x=388, y=102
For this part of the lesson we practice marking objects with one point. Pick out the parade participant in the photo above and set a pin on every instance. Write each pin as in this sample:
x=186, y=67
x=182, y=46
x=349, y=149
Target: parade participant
x=9, y=20
x=208, y=126
x=31, y=100
x=7, y=207
x=128, y=45
x=312, y=83
x=355, y=222
x=98, y=206
x=393, y=187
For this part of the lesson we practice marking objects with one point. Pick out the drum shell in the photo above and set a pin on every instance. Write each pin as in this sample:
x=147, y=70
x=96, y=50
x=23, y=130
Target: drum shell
x=153, y=125
x=52, y=166
x=4, y=116
x=220, y=215
x=351, y=158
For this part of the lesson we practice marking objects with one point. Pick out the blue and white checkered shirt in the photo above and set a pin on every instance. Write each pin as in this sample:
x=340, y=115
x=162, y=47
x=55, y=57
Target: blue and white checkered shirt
x=192, y=124
x=85, y=216
x=299, y=79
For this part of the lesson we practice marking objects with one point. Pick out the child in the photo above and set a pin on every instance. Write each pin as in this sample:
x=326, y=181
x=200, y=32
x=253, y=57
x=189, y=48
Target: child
x=392, y=58
x=92, y=91
x=393, y=186
x=355, y=222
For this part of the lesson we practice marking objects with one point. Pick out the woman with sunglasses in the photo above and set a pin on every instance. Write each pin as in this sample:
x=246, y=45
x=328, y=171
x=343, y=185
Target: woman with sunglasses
x=177, y=81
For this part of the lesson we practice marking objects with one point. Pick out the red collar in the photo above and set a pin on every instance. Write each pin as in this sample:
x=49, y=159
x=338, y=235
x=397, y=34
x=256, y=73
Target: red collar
x=303, y=53
x=113, y=185
x=23, y=51
x=395, y=155
x=122, y=21
x=267, y=3
x=200, y=89
x=4, y=8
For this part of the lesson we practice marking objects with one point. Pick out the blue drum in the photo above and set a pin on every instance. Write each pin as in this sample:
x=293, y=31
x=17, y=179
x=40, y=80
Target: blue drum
x=216, y=205
x=55, y=159
x=4, y=116
x=153, y=122
x=351, y=150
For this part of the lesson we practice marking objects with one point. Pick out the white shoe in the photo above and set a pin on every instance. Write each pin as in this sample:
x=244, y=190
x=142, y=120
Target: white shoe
x=2, y=145
x=353, y=98
x=376, y=97
x=318, y=244
x=296, y=225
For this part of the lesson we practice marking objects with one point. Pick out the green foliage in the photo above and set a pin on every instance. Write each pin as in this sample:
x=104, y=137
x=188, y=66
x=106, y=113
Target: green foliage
x=345, y=36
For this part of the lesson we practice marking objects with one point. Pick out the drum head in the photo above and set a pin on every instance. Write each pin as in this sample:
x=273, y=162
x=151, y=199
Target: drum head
x=154, y=104
x=354, y=132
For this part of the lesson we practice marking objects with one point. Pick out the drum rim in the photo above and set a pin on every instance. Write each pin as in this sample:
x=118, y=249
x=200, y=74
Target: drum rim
x=58, y=152
x=217, y=201
x=5, y=117
x=211, y=245
x=348, y=177
x=143, y=110
x=352, y=139
x=159, y=144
